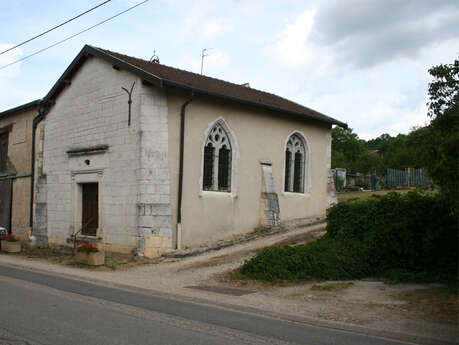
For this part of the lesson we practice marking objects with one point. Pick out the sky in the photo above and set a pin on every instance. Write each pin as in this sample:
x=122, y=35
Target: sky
x=363, y=62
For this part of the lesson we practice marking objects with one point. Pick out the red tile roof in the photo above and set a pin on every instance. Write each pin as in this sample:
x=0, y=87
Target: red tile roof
x=160, y=75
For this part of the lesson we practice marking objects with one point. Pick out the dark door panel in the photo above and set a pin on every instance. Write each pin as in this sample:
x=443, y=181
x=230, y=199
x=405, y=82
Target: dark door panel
x=90, y=221
x=5, y=203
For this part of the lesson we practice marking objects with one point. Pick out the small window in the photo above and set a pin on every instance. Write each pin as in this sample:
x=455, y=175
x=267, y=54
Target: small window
x=217, y=161
x=3, y=151
x=295, y=161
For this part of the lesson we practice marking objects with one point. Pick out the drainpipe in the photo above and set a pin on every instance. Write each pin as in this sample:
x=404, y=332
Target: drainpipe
x=41, y=115
x=180, y=182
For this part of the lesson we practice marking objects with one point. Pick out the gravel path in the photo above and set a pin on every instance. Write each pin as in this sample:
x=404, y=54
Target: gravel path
x=362, y=304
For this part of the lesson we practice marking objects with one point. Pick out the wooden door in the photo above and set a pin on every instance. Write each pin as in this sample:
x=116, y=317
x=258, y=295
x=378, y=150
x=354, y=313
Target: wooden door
x=3, y=151
x=90, y=220
x=5, y=203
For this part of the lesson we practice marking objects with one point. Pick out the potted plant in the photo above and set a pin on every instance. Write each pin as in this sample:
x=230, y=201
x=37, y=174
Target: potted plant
x=88, y=254
x=11, y=243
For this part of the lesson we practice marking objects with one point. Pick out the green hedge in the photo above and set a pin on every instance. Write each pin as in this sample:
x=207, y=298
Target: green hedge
x=413, y=233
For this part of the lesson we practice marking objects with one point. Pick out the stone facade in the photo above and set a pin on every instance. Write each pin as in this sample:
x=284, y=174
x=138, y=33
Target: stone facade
x=131, y=171
x=87, y=141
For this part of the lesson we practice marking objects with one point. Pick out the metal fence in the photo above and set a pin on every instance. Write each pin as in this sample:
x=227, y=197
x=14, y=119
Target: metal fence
x=346, y=181
x=407, y=178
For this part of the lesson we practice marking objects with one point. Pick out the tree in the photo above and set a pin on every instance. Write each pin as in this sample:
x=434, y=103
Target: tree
x=380, y=144
x=444, y=89
x=350, y=152
x=441, y=138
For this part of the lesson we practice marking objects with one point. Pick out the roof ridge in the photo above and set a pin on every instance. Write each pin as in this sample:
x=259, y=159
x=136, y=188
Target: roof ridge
x=199, y=75
x=218, y=87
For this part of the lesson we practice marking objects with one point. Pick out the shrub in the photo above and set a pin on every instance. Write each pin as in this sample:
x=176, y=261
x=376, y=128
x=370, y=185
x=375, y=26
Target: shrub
x=11, y=238
x=413, y=232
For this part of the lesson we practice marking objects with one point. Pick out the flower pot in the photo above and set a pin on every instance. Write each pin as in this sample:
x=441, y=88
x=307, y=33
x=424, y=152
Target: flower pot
x=11, y=247
x=90, y=258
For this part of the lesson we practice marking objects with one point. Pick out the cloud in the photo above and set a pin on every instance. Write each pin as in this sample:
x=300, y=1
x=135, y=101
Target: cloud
x=15, y=94
x=213, y=28
x=365, y=62
x=202, y=19
x=366, y=33
x=293, y=48
x=393, y=118
x=216, y=64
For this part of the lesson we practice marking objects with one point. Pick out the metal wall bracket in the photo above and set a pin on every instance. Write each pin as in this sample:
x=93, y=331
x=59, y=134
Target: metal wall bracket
x=130, y=101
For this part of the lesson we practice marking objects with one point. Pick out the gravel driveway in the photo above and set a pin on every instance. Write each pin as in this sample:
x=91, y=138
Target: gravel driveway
x=401, y=309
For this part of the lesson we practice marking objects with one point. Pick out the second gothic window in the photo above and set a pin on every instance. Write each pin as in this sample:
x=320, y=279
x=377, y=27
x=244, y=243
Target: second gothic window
x=295, y=156
x=217, y=161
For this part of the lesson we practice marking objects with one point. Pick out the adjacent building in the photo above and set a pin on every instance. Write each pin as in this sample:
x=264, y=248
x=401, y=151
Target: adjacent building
x=16, y=142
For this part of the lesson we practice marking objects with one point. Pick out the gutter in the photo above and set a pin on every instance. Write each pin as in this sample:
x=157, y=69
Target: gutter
x=180, y=182
x=42, y=110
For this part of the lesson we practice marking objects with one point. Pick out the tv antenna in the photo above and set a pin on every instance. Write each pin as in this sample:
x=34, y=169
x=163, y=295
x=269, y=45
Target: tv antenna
x=154, y=58
x=203, y=55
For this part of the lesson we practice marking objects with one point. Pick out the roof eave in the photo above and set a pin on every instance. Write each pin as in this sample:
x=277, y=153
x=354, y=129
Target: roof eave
x=157, y=81
x=329, y=120
x=91, y=51
x=19, y=108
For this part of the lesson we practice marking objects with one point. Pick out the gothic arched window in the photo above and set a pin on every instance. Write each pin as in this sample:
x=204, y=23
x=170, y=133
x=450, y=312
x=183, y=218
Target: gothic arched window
x=217, y=160
x=295, y=164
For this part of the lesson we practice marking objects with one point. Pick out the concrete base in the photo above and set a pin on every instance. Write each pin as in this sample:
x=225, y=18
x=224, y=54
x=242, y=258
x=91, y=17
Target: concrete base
x=92, y=259
x=155, y=245
x=11, y=247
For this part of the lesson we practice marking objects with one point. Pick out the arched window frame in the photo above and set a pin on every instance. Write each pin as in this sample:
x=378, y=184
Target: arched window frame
x=234, y=157
x=305, y=180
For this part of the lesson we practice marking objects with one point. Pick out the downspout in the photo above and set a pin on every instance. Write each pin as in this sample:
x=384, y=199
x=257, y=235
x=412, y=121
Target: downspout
x=36, y=121
x=180, y=182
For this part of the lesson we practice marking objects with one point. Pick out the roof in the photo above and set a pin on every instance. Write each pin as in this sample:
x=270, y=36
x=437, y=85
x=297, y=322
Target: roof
x=162, y=75
x=26, y=106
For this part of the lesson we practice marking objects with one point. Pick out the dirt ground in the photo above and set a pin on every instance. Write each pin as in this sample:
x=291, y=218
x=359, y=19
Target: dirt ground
x=366, y=194
x=426, y=310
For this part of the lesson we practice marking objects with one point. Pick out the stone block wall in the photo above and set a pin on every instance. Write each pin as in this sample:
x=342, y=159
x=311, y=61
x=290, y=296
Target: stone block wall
x=153, y=177
x=133, y=182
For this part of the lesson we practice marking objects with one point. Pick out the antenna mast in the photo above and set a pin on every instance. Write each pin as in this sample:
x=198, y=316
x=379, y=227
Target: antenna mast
x=203, y=55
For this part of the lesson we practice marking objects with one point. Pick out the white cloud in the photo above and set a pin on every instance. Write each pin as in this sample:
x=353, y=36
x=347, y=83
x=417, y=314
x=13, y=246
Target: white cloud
x=214, y=27
x=216, y=64
x=383, y=117
x=293, y=48
x=367, y=33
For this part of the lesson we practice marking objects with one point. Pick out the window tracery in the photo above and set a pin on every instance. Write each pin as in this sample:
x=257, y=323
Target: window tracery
x=295, y=159
x=217, y=160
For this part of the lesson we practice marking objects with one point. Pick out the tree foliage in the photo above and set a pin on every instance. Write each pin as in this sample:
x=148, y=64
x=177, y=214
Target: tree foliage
x=350, y=152
x=441, y=138
x=434, y=147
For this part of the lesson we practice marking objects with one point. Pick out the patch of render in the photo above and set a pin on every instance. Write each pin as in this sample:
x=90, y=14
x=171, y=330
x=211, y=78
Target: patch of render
x=220, y=121
x=154, y=211
x=270, y=201
x=40, y=219
x=307, y=178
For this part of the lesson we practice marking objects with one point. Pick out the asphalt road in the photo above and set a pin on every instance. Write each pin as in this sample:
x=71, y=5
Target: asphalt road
x=37, y=308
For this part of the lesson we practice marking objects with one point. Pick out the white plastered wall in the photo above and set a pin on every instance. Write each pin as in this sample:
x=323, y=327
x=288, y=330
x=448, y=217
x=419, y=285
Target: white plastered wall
x=261, y=136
